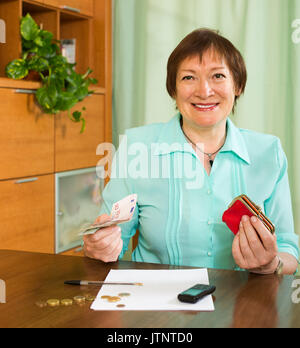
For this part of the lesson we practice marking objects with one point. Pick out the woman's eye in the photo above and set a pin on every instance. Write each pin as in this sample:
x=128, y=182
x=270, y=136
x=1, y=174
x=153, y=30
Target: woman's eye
x=188, y=78
x=219, y=76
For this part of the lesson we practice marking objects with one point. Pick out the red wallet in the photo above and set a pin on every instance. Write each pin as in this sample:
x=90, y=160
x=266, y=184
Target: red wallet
x=240, y=206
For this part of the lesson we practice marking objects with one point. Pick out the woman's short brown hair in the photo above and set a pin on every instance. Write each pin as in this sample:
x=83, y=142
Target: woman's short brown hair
x=197, y=43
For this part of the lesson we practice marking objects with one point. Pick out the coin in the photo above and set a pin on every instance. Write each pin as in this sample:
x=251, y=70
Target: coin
x=41, y=304
x=53, y=302
x=121, y=305
x=124, y=294
x=105, y=297
x=114, y=299
x=79, y=299
x=66, y=302
x=90, y=298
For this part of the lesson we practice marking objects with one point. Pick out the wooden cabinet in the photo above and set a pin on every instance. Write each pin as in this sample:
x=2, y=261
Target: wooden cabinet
x=26, y=214
x=74, y=150
x=73, y=27
x=36, y=146
x=38, y=1
x=27, y=136
x=85, y=7
x=91, y=29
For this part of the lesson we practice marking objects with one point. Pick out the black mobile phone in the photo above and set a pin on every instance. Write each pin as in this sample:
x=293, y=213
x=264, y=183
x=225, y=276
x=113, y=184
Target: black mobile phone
x=195, y=293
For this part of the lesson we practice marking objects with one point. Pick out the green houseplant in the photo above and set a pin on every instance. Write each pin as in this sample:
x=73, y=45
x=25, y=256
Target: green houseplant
x=62, y=88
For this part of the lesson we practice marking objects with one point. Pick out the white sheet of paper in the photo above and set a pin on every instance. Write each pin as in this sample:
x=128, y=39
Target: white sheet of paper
x=159, y=291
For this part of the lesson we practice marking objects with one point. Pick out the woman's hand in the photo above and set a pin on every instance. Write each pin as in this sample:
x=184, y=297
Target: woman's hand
x=254, y=248
x=106, y=244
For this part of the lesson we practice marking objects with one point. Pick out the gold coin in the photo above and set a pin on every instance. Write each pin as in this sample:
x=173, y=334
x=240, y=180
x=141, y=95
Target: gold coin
x=124, y=294
x=105, y=297
x=41, y=304
x=121, y=305
x=114, y=299
x=90, y=298
x=66, y=302
x=79, y=299
x=53, y=303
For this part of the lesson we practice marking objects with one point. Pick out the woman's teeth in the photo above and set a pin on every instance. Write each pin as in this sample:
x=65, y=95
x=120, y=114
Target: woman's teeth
x=205, y=106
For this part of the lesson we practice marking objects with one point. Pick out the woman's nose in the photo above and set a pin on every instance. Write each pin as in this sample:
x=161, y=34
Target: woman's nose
x=203, y=89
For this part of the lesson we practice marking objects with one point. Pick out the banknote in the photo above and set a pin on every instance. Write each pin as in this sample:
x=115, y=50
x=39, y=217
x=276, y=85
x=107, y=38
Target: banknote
x=121, y=212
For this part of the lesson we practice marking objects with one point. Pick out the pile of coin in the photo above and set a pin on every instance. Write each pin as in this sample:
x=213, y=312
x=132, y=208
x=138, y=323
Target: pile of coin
x=81, y=300
x=66, y=302
x=116, y=298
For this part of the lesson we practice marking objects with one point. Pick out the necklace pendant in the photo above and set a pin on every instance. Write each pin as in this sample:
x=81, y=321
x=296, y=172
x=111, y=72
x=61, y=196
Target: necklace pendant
x=211, y=162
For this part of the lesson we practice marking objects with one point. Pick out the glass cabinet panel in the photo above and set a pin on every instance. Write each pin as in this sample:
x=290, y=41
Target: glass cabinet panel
x=78, y=201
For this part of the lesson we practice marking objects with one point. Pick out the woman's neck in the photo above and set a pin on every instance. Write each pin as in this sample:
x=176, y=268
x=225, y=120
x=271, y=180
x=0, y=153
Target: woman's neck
x=211, y=139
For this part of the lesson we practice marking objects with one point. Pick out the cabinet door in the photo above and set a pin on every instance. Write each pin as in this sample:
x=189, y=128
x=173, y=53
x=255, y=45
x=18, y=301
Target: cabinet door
x=27, y=214
x=80, y=6
x=74, y=150
x=27, y=136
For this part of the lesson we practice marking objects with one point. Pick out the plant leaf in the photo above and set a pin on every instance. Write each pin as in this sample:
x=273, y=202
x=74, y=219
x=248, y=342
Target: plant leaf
x=17, y=69
x=62, y=86
x=81, y=93
x=47, y=97
x=38, y=64
x=76, y=115
x=29, y=28
x=65, y=101
x=83, y=125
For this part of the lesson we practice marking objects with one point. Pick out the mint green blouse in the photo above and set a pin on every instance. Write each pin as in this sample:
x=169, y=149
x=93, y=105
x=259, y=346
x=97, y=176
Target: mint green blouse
x=179, y=208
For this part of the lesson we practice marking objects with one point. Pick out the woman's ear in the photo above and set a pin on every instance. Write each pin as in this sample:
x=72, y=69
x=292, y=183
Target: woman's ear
x=238, y=93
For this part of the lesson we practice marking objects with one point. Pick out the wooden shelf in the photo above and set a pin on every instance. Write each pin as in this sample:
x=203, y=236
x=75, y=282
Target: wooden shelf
x=23, y=84
x=37, y=145
x=10, y=83
x=46, y=18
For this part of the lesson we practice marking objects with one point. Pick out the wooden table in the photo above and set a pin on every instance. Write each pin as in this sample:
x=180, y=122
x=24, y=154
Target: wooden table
x=241, y=299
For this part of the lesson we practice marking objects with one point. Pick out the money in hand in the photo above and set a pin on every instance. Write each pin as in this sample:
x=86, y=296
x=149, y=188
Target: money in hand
x=121, y=212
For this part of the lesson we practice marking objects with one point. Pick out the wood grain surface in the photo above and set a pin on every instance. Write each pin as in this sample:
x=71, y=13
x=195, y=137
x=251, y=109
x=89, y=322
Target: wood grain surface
x=241, y=299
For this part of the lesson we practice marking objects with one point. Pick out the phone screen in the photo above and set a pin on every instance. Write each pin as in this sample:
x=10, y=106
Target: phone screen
x=196, y=290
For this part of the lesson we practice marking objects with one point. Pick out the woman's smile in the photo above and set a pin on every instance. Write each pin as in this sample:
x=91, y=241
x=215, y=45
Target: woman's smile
x=205, y=107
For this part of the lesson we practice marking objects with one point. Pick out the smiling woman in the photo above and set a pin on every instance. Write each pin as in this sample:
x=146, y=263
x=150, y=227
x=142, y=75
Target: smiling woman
x=180, y=224
x=219, y=50
x=206, y=76
x=205, y=98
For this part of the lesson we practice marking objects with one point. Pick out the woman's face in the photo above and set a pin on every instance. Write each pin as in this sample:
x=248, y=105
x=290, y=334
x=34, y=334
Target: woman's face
x=205, y=91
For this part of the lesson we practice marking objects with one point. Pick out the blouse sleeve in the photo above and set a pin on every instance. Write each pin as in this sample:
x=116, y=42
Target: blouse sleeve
x=279, y=208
